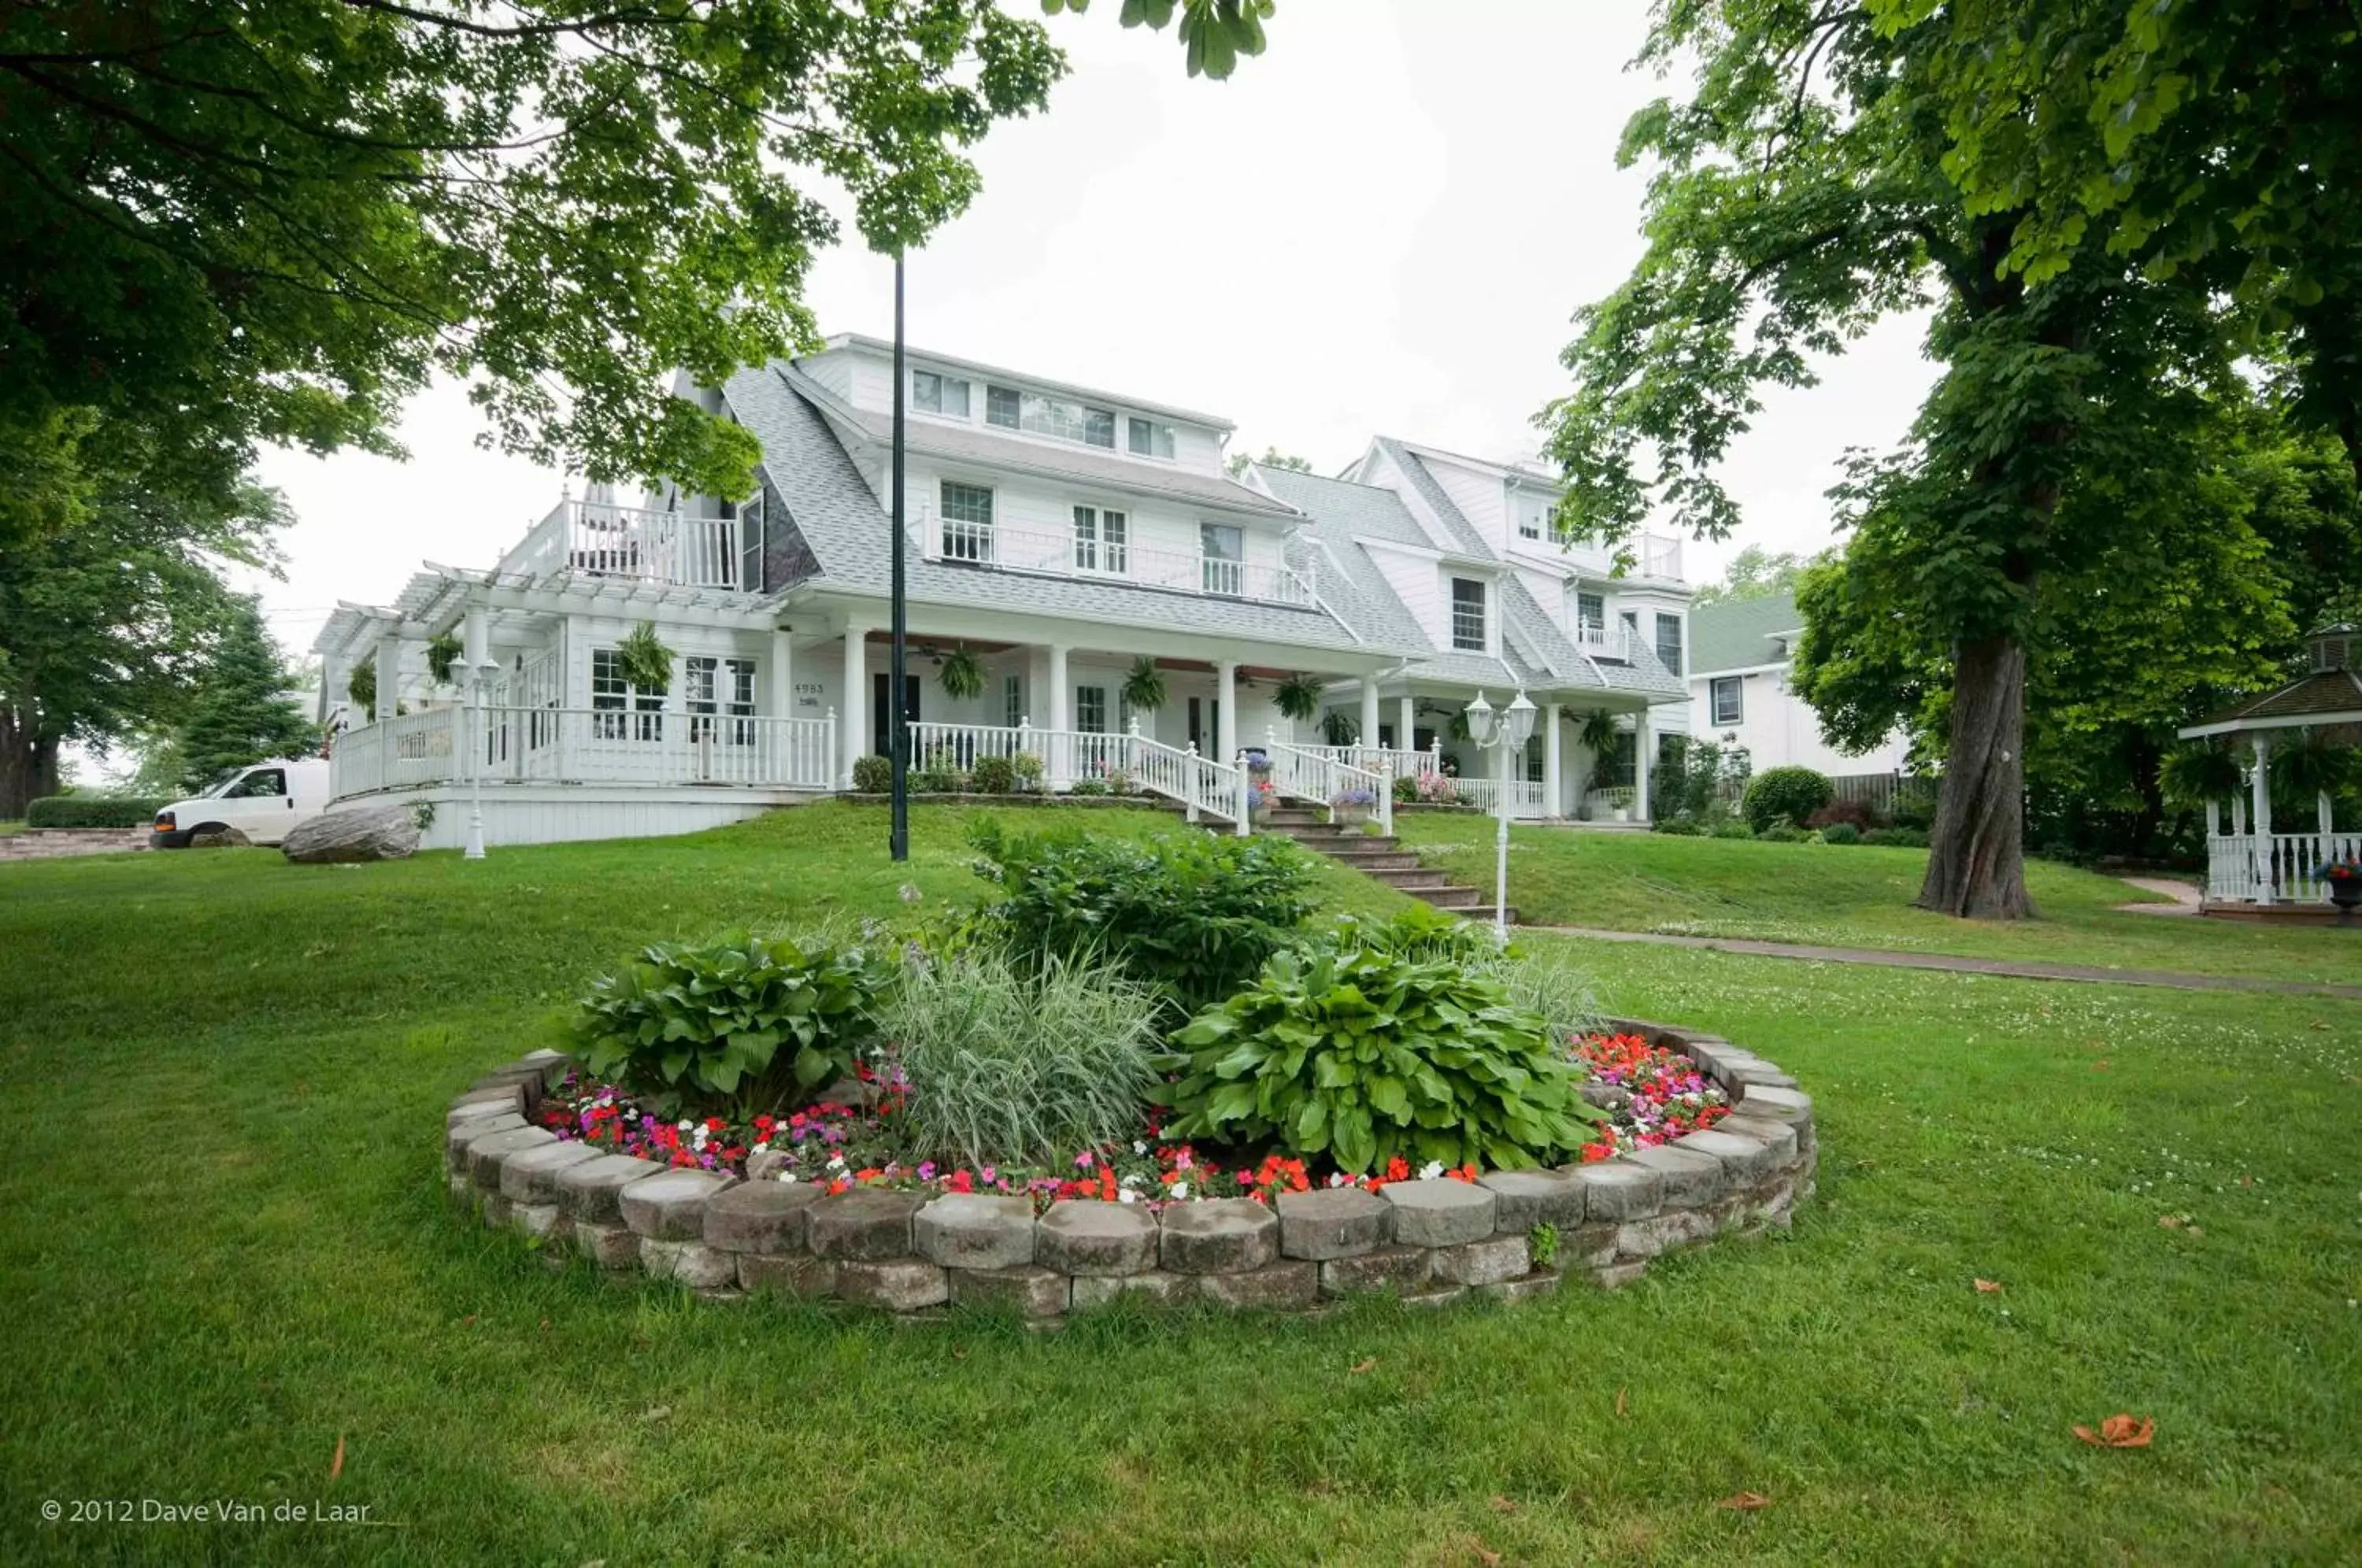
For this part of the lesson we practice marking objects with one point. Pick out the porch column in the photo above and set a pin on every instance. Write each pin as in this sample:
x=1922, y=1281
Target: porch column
x=476, y=638
x=1644, y=746
x=388, y=678
x=1553, y=806
x=1058, y=751
x=2321, y=816
x=1406, y=723
x=856, y=701
x=783, y=676
x=1226, y=709
x=1370, y=709
x=2261, y=791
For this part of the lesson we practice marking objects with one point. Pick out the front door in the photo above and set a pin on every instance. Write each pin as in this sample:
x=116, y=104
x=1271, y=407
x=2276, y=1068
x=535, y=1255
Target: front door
x=882, y=738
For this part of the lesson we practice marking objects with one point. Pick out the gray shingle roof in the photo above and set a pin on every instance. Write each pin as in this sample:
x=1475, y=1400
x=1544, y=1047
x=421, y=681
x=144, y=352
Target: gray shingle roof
x=850, y=537
x=1463, y=535
x=1736, y=635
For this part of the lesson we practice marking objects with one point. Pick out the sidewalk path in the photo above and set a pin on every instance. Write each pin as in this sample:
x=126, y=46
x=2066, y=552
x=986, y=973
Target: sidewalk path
x=2008, y=968
x=2187, y=899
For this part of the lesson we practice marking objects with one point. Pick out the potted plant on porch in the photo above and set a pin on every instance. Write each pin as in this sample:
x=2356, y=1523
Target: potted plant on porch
x=2344, y=879
x=1351, y=808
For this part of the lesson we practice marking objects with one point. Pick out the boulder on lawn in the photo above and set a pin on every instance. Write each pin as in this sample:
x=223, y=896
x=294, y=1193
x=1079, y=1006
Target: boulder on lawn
x=219, y=838
x=358, y=833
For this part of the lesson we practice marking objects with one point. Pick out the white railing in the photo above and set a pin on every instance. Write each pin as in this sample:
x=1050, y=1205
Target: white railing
x=1013, y=548
x=959, y=745
x=1204, y=785
x=1201, y=785
x=1528, y=799
x=1604, y=642
x=2256, y=868
x=585, y=746
x=1309, y=773
x=597, y=539
x=1657, y=556
x=1605, y=803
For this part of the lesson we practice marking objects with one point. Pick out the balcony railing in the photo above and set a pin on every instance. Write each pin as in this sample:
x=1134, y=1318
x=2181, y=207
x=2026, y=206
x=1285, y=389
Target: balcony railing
x=584, y=746
x=1658, y=556
x=1055, y=554
x=597, y=539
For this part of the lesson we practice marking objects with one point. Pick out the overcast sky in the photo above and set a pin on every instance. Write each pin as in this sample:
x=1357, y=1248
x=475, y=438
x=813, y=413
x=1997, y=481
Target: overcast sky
x=1382, y=225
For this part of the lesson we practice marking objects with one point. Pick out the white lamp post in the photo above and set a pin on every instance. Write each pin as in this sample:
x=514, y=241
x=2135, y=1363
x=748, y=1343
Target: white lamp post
x=1506, y=732
x=479, y=743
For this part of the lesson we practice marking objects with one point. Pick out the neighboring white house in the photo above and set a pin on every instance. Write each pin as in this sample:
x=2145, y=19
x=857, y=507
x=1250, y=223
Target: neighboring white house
x=1739, y=659
x=1055, y=533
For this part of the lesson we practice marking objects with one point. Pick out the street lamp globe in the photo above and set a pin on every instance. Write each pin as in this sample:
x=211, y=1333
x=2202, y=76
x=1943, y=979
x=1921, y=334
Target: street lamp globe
x=1481, y=720
x=1517, y=722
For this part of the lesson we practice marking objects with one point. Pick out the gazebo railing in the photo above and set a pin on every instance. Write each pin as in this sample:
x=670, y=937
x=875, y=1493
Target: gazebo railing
x=2247, y=867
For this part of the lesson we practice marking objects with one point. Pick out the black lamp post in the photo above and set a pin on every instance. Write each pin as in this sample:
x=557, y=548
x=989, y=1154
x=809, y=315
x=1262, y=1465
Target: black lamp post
x=897, y=725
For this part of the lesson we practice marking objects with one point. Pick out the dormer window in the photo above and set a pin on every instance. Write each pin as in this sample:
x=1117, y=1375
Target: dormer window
x=1533, y=517
x=1468, y=614
x=933, y=393
x=1150, y=439
x=1038, y=415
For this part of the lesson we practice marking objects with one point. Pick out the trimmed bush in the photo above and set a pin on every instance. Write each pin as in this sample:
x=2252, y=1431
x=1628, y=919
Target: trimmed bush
x=1406, y=790
x=992, y=776
x=1855, y=815
x=1897, y=837
x=1010, y=1063
x=93, y=811
x=1678, y=827
x=1367, y=1054
x=1783, y=832
x=1088, y=787
x=743, y=1024
x=1841, y=832
x=1786, y=795
x=1732, y=829
x=873, y=775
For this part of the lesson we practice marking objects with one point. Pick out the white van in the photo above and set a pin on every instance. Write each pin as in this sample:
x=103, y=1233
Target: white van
x=261, y=802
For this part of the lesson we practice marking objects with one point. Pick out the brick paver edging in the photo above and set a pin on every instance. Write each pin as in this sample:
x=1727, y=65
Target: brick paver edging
x=1429, y=1241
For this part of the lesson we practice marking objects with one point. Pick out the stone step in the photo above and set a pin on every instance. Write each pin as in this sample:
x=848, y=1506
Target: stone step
x=1449, y=896
x=1383, y=860
x=1411, y=879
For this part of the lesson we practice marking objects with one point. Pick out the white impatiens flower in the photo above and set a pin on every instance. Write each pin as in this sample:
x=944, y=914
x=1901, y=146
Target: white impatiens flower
x=786, y=1175
x=1125, y=1194
x=684, y=1125
x=836, y=1161
x=1180, y=1190
x=762, y=1149
x=1430, y=1171
x=1134, y=1180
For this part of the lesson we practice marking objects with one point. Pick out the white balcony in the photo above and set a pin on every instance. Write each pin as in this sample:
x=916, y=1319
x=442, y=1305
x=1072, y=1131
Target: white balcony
x=1656, y=556
x=1049, y=553
x=601, y=539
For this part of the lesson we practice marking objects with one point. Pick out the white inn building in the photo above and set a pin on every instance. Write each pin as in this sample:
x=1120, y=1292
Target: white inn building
x=1057, y=535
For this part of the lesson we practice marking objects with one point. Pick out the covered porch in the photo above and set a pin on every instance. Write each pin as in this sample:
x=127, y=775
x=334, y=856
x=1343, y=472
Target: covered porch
x=2297, y=741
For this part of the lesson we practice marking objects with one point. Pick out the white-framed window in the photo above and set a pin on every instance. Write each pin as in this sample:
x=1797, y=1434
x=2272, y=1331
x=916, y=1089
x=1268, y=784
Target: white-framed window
x=937, y=393
x=1222, y=549
x=1591, y=614
x=967, y=522
x=1533, y=517
x=1041, y=415
x=1012, y=696
x=611, y=695
x=713, y=689
x=1102, y=540
x=1091, y=710
x=1147, y=438
x=1726, y=697
x=1669, y=641
x=1468, y=614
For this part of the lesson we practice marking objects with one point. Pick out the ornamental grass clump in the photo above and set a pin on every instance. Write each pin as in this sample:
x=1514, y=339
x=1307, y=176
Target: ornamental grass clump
x=742, y=1025
x=1367, y=1056
x=1011, y=1063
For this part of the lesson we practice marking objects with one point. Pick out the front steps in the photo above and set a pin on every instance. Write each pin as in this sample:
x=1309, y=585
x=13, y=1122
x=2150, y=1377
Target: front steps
x=1380, y=856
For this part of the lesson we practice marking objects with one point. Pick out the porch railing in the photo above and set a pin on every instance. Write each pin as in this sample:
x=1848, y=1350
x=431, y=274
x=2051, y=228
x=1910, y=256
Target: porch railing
x=1528, y=799
x=599, y=539
x=1312, y=774
x=585, y=746
x=2277, y=867
x=1202, y=785
x=410, y=748
x=1012, y=548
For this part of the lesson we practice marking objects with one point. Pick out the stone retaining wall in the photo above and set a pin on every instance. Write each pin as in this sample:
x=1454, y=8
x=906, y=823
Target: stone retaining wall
x=1427, y=1242
x=51, y=844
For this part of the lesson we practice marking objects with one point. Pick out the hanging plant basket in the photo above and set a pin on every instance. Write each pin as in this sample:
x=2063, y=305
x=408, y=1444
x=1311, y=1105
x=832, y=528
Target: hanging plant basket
x=1297, y=698
x=1598, y=735
x=361, y=685
x=442, y=653
x=962, y=676
x=647, y=663
x=1143, y=689
x=1340, y=728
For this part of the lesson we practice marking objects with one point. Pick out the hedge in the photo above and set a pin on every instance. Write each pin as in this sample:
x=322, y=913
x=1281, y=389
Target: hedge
x=93, y=811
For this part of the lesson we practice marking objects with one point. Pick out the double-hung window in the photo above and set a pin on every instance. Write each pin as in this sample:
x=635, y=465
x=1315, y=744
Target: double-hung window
x=1222, y=548
x=713, y=688
x=1669, y=642
x=1012, y=695
x=1727, y=698
x=934, y=393
x=611, y=696
x=1102, y=540
x=967, y=522
x=1148, y=438
x=1591, y=617
x=1091, y=710
x=1468, y=614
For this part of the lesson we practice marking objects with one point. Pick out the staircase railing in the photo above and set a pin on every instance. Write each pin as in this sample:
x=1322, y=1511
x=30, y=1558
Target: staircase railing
x=1203, y=785
x=1319, y=775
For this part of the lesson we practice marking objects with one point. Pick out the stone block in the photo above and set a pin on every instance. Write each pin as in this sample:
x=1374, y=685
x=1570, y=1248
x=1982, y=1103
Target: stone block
x=1777, y=1136
x=693, y=1263
x=1440, y=1296
x=1775, y=1104
x=1590, y=1245
x=457, y=1138
x=540, y=1221
x=486, y=1154
x=1620, y=1190
x=759, y=1217
x=1745, y=1161
x=897, y=1285
x=1673, y=1228
x=1487, y=1262
x=1333, y=1222
x=1541, y=1282
x=1692, y=1180
x=870, y=1225
x=1711, y=1051
x=1394, y=1270
x=1615, y=1276
x=461, y=1188
x=1219, y=1235
x=609, y=1243
x=1153, y=1284
x=1757, y=1074
x=670, y=1204
x=766, y=1165
x=551, y=1065
x=1035, y=1291
x=531, y=1176
x=795, y=1276
x=975, y=1230
x=592, y=1190
x=1442, y=1213
x=1527, y=1198
x=1288, y=1286
x=1096, y=1238
x=505, y=1098
x=496, y=1209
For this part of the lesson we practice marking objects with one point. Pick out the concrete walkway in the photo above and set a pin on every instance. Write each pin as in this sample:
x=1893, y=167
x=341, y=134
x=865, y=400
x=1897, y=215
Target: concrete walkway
x=2187, y=899
x=2007, y=968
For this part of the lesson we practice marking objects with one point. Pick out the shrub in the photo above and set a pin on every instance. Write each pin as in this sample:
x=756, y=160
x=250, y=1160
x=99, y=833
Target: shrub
x=1914, y=803
x=933, y=781
x=1421, y=931
x=1679, y=827
x=745, y=1023
x=873, y=775
x=1366, y=1054
x=992, y=776
x=1897, y=837
x=1855, y=815
x=1027, y=769
x=1841, y=832
x=93, y=811
x=1406, y=790
x=1733, y=829
x=1010, y=1063
x=1784, y=795
x=1194, y=916
x=1088, y=787
x=1783, y=832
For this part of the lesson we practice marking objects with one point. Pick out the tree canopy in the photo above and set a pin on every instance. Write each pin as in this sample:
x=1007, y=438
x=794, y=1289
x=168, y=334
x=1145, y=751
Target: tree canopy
x=1273, y=458
x=1753, y=573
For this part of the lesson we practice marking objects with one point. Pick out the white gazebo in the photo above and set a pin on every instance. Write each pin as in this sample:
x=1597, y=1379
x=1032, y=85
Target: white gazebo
x=2254, y=865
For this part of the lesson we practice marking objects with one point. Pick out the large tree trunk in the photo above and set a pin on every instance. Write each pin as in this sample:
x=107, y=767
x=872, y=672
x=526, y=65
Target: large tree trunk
x=1976, y=864
x=29, y=766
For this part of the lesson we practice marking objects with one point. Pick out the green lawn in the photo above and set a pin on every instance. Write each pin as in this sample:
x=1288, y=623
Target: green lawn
x=1852, y=896
x=227, y=1250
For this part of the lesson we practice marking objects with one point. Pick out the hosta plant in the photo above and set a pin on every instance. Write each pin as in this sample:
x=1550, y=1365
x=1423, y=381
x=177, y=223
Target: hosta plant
x=745, y=1023
x=1366, y=1056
